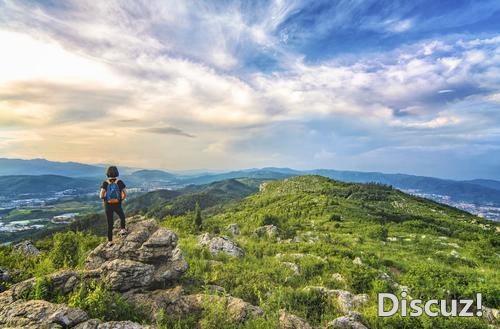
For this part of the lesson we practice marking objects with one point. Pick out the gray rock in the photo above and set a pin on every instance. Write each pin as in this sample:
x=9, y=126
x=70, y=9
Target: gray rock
x=5, y=275
x=266, y=231
x=173, y=268
x=357, y=261
x=346, y=301
x=220, y=244
x=204, y=239
x=148, y=256
x=338, y=277
x=5, y=278
x=175, y=303
x=39, y=313
x=290, y=321
x=234, y=229
x=153, y=301
x=351, y=321
x=238, y=310
x=159, y=246
x=123, y=275
x=294, y=267
x=491, y=314
x=27, y=248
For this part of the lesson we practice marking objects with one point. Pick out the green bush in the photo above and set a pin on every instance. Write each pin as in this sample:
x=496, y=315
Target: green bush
x=96, y=299
x=70, y=248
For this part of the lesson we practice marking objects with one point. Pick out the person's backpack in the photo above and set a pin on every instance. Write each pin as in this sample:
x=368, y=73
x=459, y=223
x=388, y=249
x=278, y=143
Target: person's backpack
x=113, y=195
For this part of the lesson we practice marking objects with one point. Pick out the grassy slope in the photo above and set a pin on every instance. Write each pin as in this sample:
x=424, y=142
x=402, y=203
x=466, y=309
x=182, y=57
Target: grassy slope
x=436, y=250
x=323, y=225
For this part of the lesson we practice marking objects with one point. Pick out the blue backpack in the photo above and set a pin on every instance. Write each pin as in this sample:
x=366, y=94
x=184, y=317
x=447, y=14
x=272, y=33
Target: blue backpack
x=113, y=195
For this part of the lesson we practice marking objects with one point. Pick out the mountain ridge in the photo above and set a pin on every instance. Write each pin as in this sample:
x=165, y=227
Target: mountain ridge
x=478, y=195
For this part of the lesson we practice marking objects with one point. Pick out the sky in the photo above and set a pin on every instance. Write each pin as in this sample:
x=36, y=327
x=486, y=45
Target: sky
x=391, y=86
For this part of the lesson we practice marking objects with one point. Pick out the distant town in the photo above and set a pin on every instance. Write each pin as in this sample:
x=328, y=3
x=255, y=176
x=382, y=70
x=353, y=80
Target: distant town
x=10, y=225
x=491, y=212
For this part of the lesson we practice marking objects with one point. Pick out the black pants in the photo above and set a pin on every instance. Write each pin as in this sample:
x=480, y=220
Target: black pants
x=110, y=209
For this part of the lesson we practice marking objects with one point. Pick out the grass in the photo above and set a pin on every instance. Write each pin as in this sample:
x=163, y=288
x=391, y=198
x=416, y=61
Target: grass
x=323, y=228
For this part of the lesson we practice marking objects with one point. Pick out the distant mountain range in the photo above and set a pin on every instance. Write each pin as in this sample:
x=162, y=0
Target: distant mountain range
x=479, y=191
x=45, y=167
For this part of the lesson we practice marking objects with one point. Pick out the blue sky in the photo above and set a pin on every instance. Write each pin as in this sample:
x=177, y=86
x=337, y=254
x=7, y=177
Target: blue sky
x=392, y=86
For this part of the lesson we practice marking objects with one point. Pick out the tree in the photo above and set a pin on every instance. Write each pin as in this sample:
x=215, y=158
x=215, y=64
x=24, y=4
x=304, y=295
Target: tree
x=197, y=217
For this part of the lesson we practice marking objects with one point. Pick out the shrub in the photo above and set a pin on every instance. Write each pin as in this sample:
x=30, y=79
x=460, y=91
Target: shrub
x=71, y=248
x=96, y=299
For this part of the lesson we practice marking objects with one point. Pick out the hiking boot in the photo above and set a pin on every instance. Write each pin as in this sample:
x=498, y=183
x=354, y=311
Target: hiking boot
x=109, y=244
x=123, y=232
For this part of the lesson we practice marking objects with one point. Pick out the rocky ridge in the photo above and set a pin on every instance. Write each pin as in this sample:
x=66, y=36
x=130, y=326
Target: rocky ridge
x=145, y=267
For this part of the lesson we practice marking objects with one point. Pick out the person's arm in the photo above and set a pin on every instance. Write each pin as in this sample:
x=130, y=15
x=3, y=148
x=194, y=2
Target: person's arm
x=102, y=193
x=124, y=194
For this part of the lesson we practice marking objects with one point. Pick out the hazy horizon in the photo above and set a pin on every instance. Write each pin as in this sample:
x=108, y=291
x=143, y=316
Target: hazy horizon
x=378, y=86
x=197, y=171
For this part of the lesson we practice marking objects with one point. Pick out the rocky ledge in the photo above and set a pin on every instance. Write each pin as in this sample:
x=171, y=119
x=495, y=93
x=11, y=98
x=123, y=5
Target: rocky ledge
x=147, y=258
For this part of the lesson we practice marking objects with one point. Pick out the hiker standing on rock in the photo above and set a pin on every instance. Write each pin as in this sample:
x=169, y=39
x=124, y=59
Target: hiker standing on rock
x=112, y=193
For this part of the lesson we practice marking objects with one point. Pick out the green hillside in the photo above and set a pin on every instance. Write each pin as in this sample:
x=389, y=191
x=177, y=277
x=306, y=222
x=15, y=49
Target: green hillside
x=436, y=251
x=162, y=203
x=326, y=236
x=43, y=184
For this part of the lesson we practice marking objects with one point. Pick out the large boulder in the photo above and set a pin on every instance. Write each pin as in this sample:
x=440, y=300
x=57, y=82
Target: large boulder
x=176, y=303
x=26, y=248
x=39, y=314
x=220, y=244
x=147, y=258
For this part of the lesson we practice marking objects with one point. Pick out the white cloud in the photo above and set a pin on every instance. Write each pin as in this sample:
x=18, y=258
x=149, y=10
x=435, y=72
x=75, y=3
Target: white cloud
x=26, y=58
x=400, y=26
x=181, y=66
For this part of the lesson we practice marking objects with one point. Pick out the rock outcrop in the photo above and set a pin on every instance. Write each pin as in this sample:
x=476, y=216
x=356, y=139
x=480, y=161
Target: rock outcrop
x=176, y=303
x=141, y=266
x=27, y=248
x=220, y=244
x=147, y=258
x=38, y=314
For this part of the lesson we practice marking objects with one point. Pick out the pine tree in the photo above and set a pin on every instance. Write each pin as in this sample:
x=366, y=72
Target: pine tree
x=197, y=217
